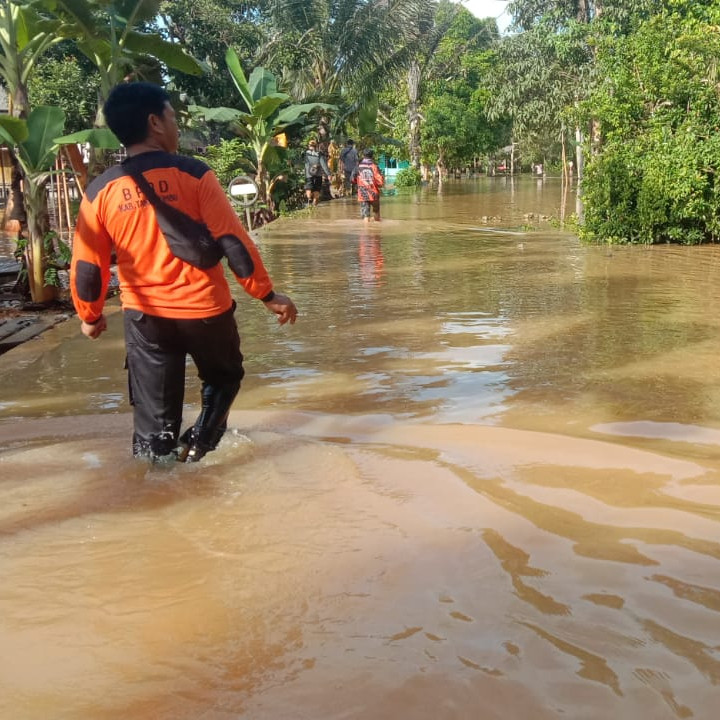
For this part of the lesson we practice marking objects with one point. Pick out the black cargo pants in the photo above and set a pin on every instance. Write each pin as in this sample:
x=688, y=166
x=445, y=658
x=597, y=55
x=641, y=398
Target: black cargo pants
x=157, y=349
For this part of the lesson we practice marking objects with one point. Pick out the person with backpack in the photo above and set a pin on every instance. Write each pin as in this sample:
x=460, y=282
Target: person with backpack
x=369, y=180
x=349, y=159
x=316, y=169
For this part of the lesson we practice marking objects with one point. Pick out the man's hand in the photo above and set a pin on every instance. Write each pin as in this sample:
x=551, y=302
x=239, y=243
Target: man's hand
x=94, y=330
x=283, y=307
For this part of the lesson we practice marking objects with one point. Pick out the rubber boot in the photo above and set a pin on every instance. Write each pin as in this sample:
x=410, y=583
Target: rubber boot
x=211, y=424
x=156, y=448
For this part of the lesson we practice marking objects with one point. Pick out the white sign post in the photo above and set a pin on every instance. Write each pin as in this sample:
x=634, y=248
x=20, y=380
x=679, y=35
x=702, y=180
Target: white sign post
x=243, y=192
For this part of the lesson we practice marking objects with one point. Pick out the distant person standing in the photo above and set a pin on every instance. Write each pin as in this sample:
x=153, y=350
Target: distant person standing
x=316, y=169
x=349, y=160
x=369, y=181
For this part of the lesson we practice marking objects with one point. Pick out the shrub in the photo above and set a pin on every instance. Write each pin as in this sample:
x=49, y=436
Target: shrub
x=229, y=159
x=408, y=177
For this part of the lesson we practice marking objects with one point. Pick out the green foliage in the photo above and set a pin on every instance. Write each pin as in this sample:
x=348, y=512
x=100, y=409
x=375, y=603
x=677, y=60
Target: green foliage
x=662, y=187
x=58, y=255
x=408, y=177
x=102, y=138
x=229, y=159
x=111, y=34
x=538, y=79
x=206, y=28
x=655, y=178
x=455, y=102
x=65, y=84
x=324, y=48
x=268, y=114
x=12, y=130
x=38, y=151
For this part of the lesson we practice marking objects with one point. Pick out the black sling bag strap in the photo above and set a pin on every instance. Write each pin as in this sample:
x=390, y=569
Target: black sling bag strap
x=187, y=239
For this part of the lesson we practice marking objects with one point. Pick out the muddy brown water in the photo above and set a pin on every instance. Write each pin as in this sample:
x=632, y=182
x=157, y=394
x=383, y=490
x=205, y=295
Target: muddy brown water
x=478, y=479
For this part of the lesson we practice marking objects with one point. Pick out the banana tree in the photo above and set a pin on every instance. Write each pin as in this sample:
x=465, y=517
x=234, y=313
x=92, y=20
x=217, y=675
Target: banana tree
x=106, y=32
x=36, y=142
x=268, y=115
x=36, y=150
x=24, y=37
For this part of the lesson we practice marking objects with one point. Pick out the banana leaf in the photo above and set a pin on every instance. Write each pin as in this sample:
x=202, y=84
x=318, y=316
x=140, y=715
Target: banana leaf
x=261, y=83
x=218, y=114
x=291, y=114
x=172, y=54
x=12, y=130
x=238, y=76
x=38, y=150
x=267, y=105
x=97, y=137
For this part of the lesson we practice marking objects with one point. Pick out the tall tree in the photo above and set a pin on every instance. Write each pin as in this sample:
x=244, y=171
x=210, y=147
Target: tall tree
x=206, y=29
x=323, y=48
x=527, y=13
x=65, y=83
x=456, y=127
x=112, y=35
x=539, y=80
x=562, y=33
x=432, y=31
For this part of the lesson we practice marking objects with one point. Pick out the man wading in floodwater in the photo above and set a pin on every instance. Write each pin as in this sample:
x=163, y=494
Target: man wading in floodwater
x=168, y=221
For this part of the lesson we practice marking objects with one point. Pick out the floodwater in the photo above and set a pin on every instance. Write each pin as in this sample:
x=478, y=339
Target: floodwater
x=478, y=479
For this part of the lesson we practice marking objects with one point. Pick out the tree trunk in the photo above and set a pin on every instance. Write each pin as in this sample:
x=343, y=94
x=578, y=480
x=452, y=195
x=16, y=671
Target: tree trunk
x=15, y=216
x=261, y=182
x=414, y=148
x=441, y=170
x=583, y=11
x=579, y=154
x=98, y=158
x=38, y=228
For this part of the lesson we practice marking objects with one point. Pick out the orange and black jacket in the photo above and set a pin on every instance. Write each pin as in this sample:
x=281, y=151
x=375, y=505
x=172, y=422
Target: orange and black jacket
x=369, y=180
x=115, y=215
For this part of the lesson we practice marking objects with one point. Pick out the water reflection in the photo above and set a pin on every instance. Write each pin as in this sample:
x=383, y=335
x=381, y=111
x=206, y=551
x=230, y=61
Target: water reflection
x=370, y=257
x=479, y=472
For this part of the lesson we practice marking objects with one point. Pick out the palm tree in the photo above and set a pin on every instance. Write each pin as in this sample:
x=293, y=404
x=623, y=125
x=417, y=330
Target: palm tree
x=432, y=32
x=325, y=48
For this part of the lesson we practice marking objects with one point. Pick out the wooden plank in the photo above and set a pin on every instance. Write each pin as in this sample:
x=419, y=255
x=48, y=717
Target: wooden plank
x=17, y=330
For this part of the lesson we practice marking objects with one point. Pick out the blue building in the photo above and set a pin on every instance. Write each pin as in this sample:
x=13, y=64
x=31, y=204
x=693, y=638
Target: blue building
x=389, y=166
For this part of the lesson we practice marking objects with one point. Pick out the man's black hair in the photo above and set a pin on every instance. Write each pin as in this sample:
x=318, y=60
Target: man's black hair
x=368, y=153
x=128, y=107
x=350, y=142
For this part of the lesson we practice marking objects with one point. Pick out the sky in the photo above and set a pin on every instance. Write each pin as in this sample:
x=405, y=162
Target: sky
x=489, y=8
